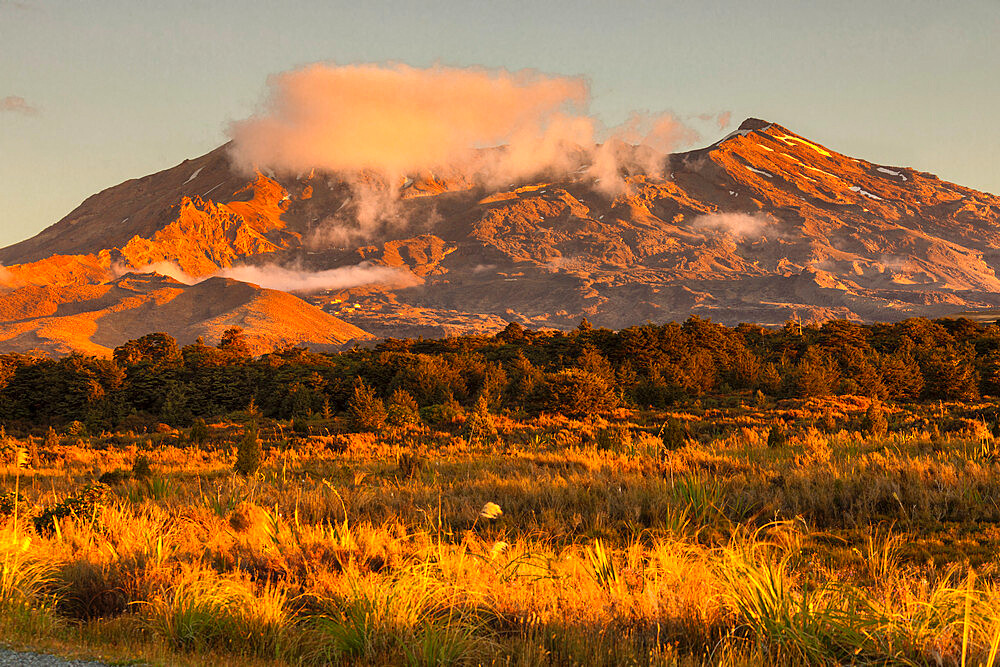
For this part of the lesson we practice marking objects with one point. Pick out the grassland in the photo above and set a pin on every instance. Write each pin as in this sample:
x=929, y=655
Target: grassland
x=797, y=532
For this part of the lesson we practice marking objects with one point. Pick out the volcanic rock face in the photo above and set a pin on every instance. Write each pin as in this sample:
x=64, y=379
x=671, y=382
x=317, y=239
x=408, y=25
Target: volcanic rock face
x=760, y=226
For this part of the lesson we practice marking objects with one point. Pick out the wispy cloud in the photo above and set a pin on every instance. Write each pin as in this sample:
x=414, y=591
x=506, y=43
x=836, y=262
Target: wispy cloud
x=737, y=224
x=720, y=118
x=17, y=104
x=287, y=279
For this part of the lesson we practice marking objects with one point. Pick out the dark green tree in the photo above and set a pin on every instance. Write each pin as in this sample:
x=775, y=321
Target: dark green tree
x=814, y=375
x=949, y=373
x=249, y=452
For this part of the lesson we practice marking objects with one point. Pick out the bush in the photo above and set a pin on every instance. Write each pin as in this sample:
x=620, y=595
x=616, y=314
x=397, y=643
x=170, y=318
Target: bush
x=777, y=436
x=575, y=392
x=141, y=468
x=442, y=414
x=366, y=408
x=115, y=477
x=249, y=454
x=410, y=463
x=875, y=422
x=674, y=434
x=828, y=423
x=479, y=424
x=199, y=431
x=614, y=438
x=403, y=409
x=82, y=504
x=8, y=502
x=759, y=399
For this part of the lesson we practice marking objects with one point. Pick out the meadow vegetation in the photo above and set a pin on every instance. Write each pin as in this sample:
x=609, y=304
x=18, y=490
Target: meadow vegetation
x=521, y=499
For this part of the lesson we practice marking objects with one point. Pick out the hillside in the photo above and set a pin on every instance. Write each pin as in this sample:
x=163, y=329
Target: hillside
x=94, y=319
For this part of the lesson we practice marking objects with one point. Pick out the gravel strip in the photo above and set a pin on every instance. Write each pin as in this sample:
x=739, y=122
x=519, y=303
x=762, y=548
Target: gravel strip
x=8, y=657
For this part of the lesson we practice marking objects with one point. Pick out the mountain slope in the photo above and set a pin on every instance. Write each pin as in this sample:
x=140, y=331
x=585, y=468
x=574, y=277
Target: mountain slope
x=94, y=319
x=760, y=226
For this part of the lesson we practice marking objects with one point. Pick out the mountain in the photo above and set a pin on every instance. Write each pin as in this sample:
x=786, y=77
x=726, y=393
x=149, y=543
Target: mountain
x=759, y=227
x=96, y=318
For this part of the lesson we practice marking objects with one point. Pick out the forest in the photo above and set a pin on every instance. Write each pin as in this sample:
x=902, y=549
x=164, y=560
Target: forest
x=152, y=380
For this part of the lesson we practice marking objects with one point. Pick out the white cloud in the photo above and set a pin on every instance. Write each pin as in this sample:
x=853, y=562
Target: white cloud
x=736, y=224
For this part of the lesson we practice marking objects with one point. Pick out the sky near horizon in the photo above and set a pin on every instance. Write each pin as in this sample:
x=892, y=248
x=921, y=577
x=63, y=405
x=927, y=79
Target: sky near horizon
x=96, y=93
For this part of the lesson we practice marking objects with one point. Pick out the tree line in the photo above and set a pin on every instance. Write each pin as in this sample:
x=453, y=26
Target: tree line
x=587, y=370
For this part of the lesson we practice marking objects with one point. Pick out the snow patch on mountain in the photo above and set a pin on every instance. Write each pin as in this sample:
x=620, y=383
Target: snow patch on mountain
x=855, y=188
x=761, y=172
x=891, y=172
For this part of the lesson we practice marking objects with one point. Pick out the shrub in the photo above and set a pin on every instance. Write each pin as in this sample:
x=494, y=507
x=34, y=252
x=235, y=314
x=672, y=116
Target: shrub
x=615, y=438
x=136, y=423
x=115, y=477
x=141, y=468
x=777, y=436
x=674, y=433
x=249, y=454
x=33, y=458
x=366, y=408
x=9, y=501
x=828, y=423
x=199, y=431
x=410, y=463
x=575, y=392
x=760, y=399
x=76, y=428
x=403, y=409
x=81, y=504
x=875, y=422
x=442, y=414
x=479, y=424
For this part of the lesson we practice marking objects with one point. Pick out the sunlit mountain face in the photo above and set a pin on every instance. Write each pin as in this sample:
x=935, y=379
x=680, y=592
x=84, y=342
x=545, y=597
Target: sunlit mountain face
x=759, y=227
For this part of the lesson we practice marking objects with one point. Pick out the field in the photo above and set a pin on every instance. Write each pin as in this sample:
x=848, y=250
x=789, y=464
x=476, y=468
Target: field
x=789, y=532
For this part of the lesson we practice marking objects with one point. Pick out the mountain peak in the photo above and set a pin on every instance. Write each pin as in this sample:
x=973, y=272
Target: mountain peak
x=751, y=124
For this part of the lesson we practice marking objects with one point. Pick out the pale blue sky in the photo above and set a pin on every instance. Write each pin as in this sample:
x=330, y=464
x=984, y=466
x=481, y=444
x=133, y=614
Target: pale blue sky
x=127, y=88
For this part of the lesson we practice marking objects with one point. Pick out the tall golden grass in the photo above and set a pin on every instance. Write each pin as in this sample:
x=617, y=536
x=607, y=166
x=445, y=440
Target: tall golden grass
x=559, y=548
